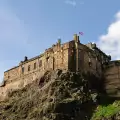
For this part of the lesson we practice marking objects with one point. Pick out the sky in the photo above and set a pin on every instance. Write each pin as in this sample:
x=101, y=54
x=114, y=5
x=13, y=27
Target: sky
x=28, y=27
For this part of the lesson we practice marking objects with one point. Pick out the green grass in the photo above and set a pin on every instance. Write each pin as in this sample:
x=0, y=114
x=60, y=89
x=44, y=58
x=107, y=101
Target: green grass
x=106, y=111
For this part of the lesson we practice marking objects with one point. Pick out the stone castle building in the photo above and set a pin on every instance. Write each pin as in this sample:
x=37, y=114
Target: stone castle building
x=73, y=56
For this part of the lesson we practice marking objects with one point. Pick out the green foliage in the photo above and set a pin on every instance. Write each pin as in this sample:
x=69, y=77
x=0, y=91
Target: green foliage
x=106, y=111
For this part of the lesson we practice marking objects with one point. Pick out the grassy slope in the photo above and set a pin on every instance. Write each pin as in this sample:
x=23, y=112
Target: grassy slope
x=107, y=111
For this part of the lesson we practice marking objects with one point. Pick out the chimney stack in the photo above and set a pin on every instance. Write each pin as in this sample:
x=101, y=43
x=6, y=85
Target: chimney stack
x=76, y=38
x=25, y=58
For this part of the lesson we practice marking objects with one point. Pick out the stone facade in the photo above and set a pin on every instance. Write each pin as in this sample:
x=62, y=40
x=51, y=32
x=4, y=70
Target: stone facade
x=72, y=56
x=112, y=78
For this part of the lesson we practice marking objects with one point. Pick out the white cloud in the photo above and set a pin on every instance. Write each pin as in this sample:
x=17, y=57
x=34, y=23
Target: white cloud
x=71, y=2
x=110, y=42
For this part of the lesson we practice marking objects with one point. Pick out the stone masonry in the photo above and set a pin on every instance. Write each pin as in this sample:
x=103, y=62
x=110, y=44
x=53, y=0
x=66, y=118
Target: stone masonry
x=72, y=56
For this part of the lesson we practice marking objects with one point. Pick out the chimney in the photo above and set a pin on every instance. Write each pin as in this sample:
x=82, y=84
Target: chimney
x=25, y=58
x=76, y=38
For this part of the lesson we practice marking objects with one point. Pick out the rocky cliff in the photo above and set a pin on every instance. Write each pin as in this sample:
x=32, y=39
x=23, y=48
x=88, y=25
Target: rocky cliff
x=57, y=95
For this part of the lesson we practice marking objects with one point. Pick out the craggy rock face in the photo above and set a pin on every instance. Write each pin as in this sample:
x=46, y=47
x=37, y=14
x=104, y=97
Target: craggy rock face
x=57, y=95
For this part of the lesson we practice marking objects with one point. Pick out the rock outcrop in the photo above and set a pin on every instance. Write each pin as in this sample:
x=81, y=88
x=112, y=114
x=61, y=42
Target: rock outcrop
x=58, y=95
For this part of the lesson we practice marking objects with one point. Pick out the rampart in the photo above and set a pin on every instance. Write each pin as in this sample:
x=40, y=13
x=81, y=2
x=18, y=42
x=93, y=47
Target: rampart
x=112, y=78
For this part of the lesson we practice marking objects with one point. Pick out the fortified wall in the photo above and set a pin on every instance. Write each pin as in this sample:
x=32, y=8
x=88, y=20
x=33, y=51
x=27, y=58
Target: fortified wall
x=112, y=78
x=72, y=56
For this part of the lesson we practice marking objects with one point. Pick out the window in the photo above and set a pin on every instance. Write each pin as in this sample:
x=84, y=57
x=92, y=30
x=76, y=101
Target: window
x=89, y=59
x=90, y=63
x=28, y=67
x=40, y=63
x=96, y=58
x=89, y=54
x=47, y=59
x=22, y=69
x=34, y=65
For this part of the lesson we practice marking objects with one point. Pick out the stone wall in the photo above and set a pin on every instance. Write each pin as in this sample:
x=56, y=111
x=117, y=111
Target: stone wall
x=70, y=56
x=59, y=56
x=28, y=70
x=88, y=61
x=19, y=83
x=34, y=65
x=112, y=79
x=12, y=74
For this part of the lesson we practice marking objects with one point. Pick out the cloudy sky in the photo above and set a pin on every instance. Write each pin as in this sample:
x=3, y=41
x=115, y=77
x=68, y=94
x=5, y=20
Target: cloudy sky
x=27, y=27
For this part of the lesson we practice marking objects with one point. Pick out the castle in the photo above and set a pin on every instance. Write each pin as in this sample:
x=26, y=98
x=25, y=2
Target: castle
x=72, y=56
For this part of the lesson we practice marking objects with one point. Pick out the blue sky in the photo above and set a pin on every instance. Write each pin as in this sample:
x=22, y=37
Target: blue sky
x=28, y=27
